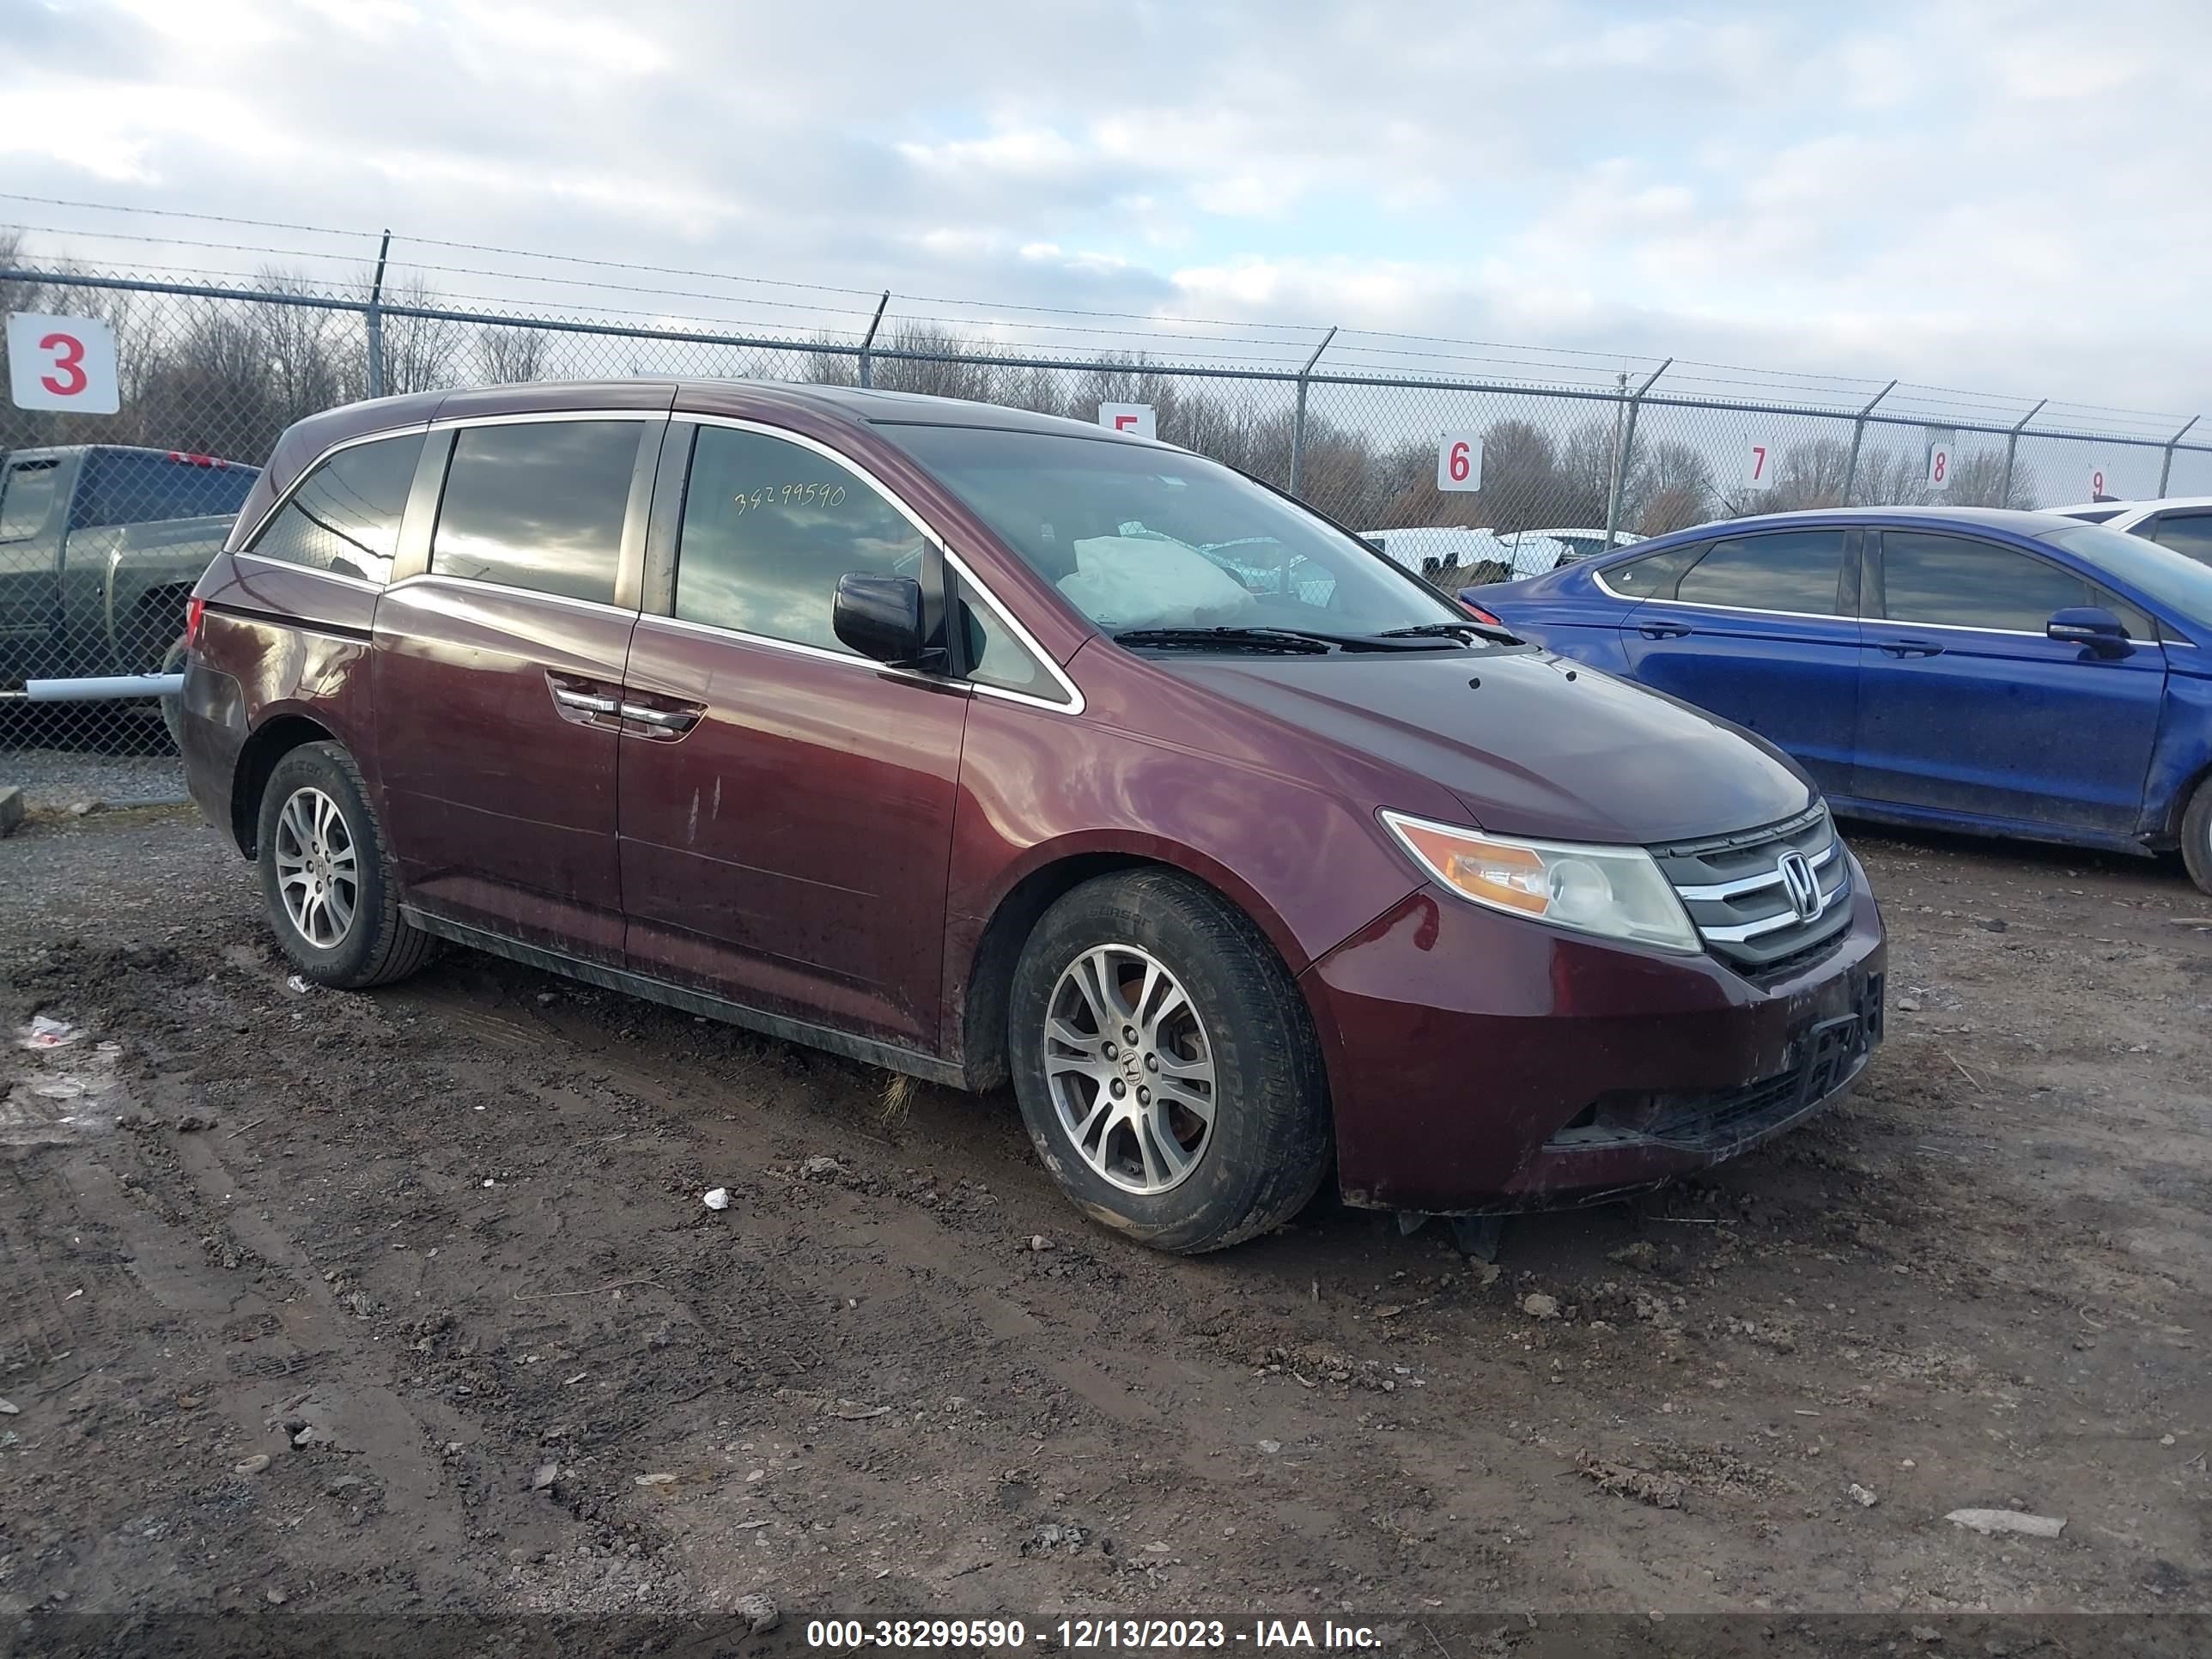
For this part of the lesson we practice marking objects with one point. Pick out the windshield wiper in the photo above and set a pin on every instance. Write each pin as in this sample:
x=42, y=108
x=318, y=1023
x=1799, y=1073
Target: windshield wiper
x=1449, y=630
x=1291, y=639
x=1245, y=639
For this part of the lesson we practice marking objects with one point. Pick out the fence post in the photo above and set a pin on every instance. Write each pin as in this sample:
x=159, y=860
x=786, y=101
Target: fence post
x=2012, y=443
x=2166, y=466
x=867, y=365
x=1626, y=450
x=375, y=319
x=1858, y=436
x=1298, y=421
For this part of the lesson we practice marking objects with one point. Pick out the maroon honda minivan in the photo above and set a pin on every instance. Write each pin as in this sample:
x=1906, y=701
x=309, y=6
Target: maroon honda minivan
x=979, y=745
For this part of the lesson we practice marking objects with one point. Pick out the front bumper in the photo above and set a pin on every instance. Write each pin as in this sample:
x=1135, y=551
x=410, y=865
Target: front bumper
x=1479, y=1062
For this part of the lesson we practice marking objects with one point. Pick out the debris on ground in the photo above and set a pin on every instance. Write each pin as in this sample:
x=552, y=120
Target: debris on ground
x=1625, y=1480
x=252, y=1465
x=717, y=1198
x=760, y=1614
x=47, y=1032
x=1537, y=1305
x=1862, y=1496
x=1641, y=1254
x=544, y=1478
x=1039, y=1242
x=1054, y=1535
x=1997, y=1521
x=296, y=984
x=658, y=1480
x=9, y=1408
x=1271, y=1447
x=821, y=1165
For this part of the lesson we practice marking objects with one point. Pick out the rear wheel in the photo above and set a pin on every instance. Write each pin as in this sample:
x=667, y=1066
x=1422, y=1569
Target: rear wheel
x=1166, y=1066
x=326, y=875
x=2196, y=836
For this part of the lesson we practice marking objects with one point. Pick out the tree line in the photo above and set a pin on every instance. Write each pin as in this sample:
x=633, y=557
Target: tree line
x=225, y=377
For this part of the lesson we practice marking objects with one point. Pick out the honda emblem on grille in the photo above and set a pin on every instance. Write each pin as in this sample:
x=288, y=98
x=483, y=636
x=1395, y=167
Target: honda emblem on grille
x=1801, y=884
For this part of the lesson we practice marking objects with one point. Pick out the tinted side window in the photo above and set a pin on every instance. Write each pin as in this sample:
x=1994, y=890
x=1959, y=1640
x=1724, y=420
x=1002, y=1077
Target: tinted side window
x=2187, y=532
x=538, y=504
x=26, y=496
x=1951, y=581
x=770, y=526
x=1789, y=570
x=995, y=655
x=1654, y=577
x=344, y=516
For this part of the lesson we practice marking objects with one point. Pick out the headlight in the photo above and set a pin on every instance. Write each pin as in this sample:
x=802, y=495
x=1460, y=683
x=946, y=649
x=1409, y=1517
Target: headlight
x=1614, y=891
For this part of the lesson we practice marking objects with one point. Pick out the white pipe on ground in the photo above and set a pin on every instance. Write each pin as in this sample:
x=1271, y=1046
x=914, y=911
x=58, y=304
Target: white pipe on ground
x=100, y=688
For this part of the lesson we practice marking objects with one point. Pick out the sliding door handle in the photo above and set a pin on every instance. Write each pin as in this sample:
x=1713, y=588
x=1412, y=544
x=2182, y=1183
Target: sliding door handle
x=584, y=702
x=661, y=719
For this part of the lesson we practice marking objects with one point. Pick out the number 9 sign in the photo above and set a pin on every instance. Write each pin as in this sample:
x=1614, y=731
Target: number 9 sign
x=1459, y=461
x=61, y=362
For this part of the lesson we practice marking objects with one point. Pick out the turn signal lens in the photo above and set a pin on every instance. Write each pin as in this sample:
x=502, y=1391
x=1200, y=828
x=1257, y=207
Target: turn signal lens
x=1478, y=613
x=1614, y=891
x=195, y=610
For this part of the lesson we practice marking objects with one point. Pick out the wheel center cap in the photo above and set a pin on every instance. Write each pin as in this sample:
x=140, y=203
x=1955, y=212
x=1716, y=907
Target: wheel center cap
x=1132, y=1067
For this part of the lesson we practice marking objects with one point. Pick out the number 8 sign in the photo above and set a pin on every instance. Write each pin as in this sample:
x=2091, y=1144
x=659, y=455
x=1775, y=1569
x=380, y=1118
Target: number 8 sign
x=61, y=362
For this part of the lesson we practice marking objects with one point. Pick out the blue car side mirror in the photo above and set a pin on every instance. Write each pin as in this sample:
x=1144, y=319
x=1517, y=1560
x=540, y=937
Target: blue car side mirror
x=2092, y=626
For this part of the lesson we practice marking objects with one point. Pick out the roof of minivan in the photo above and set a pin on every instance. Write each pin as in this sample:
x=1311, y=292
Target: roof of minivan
x=305, y=439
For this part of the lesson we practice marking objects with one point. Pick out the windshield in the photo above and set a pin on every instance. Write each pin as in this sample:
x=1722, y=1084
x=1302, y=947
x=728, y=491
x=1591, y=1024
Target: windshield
x=2173, y=579
x=1143, y=538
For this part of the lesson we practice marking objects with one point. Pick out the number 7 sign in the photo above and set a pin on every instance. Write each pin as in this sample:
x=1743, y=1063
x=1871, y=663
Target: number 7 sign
x=61, y=362
x=1761, y=455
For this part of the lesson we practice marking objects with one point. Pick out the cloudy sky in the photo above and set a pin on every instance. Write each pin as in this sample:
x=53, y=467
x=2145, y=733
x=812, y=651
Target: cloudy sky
x=1980, y=194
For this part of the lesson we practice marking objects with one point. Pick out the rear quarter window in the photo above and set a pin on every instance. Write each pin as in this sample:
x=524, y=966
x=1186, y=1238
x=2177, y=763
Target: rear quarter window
x=344, y=517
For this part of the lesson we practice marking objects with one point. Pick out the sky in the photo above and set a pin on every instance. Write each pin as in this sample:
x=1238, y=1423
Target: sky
x=1965, y=193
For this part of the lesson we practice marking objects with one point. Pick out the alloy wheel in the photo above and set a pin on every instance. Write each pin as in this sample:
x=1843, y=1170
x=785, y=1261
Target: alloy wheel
x=1130, y=1068
x=317, y=874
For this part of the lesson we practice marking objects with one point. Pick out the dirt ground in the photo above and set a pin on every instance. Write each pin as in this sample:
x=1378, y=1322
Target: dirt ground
x=408, y=1301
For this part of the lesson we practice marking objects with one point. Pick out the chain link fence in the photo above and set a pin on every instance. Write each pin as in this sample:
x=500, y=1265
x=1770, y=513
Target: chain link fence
x=106, y=521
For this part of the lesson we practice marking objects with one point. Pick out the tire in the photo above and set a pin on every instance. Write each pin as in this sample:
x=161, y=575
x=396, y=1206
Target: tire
x=2196, y=836
x=346, y=945
x=1240, y=1021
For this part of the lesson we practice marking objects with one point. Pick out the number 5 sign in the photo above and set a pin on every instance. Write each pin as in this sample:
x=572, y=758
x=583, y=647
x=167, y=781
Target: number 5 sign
x=1459, y=461
x=61, y=362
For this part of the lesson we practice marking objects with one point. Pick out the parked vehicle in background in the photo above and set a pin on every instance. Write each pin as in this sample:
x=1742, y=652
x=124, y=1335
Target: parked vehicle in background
x=1580, y=544
x=2183, y=522
x=2002, y=672
x=1430, y=550
x=99, y=546
x=940, y=735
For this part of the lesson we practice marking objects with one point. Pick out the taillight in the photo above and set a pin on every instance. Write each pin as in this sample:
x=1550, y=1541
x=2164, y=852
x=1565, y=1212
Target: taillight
x=1478, y=613
x=195, y=610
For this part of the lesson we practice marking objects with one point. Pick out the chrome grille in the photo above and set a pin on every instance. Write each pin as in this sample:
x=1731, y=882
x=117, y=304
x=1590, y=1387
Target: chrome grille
x=1764, y=898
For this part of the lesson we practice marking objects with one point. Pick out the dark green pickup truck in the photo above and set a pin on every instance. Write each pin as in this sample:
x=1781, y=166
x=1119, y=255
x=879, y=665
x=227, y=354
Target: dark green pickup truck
x=99, y=546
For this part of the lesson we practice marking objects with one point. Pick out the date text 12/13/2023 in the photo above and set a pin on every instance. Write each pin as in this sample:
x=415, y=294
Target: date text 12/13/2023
x=1068, y=1635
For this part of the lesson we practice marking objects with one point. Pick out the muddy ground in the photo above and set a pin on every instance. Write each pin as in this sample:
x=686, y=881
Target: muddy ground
x=409, y=1301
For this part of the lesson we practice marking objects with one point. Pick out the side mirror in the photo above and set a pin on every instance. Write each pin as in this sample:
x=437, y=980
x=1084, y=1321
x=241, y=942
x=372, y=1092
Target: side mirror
x=2092, y=626
x=882, y=618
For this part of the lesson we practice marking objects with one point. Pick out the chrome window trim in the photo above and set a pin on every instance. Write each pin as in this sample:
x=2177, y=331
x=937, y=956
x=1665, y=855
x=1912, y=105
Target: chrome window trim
x=1721, y=890
x=243, y=544
x=1073, y=703
x=1611, y=592
x=267, y=562
x=447, y=579
x=528, y=416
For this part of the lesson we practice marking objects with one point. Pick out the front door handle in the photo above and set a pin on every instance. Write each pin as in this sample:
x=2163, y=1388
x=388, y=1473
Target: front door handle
x=661, y=719
x=1911, y=648
x=1664, y=631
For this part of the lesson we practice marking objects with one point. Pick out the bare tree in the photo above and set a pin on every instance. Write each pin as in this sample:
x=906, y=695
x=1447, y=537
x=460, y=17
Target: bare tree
x=419, y=352
x=1674, y=489
x=509, y=356
x=1520, y=476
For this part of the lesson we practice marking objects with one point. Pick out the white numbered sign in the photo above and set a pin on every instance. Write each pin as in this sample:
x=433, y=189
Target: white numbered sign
x=2099, y=488
x=1761, y=455
x=1459, y=461
x=61, y=362
x=1939, y=466
x=1129, y=417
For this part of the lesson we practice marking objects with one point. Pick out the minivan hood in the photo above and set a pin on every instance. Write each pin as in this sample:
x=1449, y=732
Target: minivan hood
x=1533, y=743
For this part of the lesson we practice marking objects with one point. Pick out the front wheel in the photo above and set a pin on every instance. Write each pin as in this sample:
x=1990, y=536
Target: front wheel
x=1166, y=1063
x=2196, y=836
x=326, y=875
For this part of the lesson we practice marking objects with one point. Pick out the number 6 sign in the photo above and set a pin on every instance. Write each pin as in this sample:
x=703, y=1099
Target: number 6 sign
x=61, y=362
x=1459, y=461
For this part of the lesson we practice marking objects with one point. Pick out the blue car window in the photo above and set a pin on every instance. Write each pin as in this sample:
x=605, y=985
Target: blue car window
x=1952, y=581
x=1654, y=576
x=1792, y=570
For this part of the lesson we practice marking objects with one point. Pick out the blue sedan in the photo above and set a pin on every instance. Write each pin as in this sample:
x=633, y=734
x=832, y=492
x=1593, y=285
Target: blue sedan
x=2005, y=674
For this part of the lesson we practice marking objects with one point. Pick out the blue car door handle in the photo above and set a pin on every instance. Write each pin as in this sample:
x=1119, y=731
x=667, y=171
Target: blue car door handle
x=1663, y=631
x=1912, y=649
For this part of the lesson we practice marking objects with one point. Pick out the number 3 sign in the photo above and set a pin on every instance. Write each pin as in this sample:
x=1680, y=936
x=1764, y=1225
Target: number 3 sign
x=61, y=362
